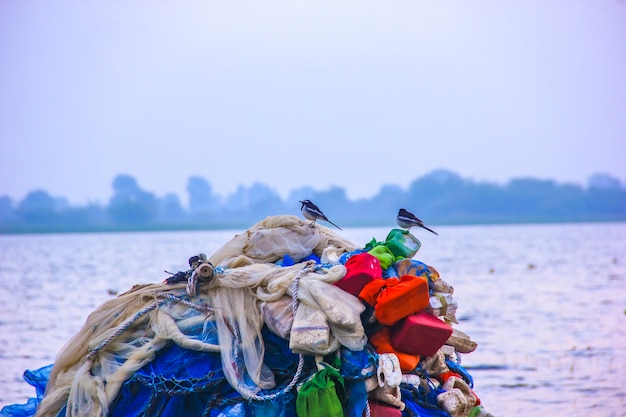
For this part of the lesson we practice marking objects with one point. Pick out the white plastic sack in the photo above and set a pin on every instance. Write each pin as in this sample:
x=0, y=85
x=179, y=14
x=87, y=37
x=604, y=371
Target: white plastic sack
x=310, y=333
x=342, y=310
x=278, y=316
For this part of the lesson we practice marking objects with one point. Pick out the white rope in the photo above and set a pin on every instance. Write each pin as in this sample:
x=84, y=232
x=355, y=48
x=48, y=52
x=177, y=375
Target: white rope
x=294, y=307
x=129, y=322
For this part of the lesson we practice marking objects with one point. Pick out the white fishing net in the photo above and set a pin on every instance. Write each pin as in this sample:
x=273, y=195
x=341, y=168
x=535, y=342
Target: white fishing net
x=124, y=334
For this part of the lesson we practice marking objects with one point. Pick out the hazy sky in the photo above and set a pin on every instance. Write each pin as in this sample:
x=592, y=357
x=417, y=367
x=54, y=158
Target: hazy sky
x=356, y=94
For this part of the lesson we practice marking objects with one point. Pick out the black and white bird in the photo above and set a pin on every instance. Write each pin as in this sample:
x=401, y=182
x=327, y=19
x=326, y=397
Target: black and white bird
x=406, y=220
x=312, y=212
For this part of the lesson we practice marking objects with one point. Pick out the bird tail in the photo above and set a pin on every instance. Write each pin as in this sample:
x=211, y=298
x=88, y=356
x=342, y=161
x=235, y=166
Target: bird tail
x=334, y=224
x=430, y=230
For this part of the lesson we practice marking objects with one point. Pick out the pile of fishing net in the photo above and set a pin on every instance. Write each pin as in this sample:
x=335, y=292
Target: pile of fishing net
x=284, y=320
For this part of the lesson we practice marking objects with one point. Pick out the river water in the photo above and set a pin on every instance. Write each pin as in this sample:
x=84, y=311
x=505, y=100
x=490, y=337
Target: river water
x=546, y=304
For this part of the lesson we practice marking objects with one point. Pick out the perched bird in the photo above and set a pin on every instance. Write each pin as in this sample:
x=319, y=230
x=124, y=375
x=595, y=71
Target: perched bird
x=312, y=212
x=406, y=220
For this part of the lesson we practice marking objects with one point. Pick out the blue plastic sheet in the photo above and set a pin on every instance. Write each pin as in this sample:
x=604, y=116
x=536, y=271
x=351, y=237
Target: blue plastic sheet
x=190, y=383
x=184, y=382
x=38, y=379
x=455, y=367
x=421, y=402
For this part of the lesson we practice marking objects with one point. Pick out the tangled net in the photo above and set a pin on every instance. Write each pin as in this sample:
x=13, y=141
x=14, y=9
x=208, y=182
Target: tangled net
x=222, y=315
x=256, y=329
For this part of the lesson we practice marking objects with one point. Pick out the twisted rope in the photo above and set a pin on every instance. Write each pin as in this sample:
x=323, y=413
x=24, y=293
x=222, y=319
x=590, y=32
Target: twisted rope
x=129, y=322
x=294, y=308
x=200, y=307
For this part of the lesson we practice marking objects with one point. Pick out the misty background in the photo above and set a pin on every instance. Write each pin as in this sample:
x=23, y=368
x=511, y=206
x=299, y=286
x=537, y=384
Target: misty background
x=143, y=114
x=440, y=197
x=351, y=94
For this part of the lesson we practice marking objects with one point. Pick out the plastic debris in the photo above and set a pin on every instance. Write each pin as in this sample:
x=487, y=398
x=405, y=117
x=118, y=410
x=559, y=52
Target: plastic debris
x=272, y=331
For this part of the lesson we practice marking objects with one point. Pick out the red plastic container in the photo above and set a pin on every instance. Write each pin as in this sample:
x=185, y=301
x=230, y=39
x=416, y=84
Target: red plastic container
x=420, y=334
x=378, y=409
x=382, y=344
x=362, y=268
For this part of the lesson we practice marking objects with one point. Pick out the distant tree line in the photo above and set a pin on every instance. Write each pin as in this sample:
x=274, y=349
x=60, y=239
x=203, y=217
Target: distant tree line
x=440, y=197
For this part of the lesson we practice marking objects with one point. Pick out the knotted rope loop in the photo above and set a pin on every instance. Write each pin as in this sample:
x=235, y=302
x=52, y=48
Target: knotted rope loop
x=309, y=267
